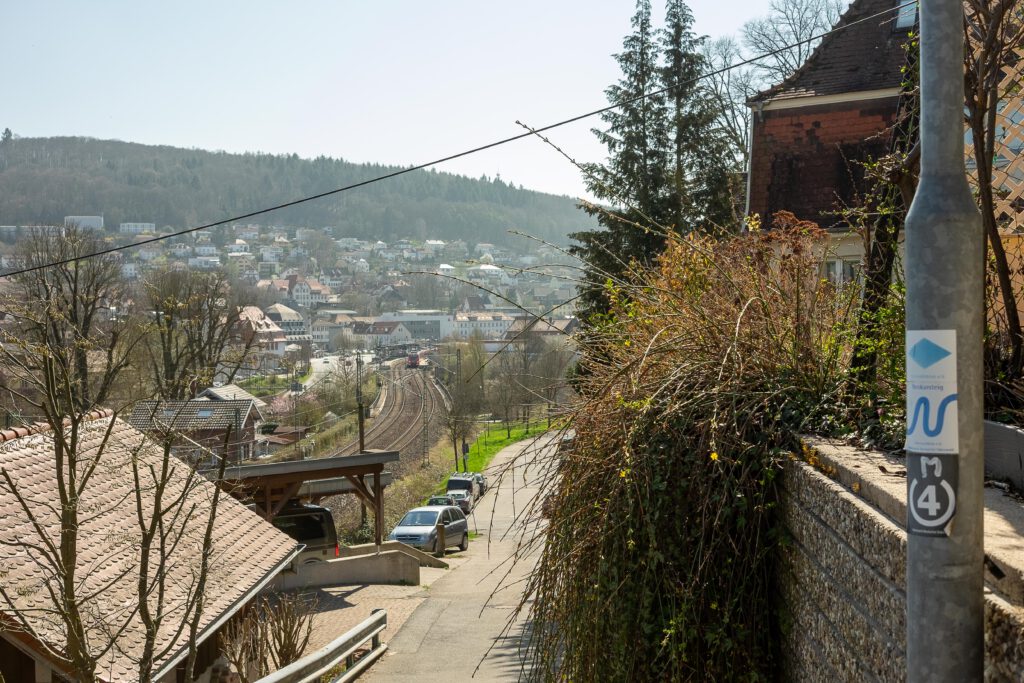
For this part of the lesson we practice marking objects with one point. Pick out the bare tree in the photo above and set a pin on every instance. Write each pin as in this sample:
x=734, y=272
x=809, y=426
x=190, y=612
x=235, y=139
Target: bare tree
x=272, y=633
x=194, y=319
x=62, y=353
x=731, y=89
x=787, y=23
x=65, y=345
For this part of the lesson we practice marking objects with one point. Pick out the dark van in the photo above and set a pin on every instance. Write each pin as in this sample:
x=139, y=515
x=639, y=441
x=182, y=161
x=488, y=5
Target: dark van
x=464, y=482
x=312, y=525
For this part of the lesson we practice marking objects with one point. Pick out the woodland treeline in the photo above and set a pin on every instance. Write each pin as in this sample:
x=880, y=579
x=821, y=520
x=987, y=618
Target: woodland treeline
x=45, y=179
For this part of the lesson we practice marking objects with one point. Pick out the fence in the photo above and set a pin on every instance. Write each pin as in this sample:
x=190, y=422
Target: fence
x=339, y=652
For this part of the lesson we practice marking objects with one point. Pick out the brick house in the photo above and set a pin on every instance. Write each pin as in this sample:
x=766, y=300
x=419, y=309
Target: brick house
x=247, y=553
x=835, y=110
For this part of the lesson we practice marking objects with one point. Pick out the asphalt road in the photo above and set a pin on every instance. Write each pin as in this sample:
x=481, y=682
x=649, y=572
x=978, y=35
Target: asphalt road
x=458, y=627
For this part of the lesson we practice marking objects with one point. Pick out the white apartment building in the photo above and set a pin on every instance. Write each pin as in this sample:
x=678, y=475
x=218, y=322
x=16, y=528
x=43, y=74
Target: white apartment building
x=136, y=228
x=490, y=326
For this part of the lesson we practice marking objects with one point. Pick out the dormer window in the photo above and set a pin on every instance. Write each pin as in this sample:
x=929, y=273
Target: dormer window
x=906, y=15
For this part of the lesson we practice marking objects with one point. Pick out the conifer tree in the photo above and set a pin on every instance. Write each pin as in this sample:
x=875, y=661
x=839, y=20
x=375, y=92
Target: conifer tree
x=668, y=167
x=633, y=179
x=700, y=165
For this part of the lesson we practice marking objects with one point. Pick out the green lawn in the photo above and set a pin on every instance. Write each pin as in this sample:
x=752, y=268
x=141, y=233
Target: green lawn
x=494, y=438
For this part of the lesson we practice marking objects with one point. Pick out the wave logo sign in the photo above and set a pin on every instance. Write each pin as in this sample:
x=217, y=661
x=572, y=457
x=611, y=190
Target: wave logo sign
x=922, y=410
x=932, y=392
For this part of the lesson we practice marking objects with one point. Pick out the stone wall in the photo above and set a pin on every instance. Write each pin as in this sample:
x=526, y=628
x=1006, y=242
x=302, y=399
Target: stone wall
x=842, y=570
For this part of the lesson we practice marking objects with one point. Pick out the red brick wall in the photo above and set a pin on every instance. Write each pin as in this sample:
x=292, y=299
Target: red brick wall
x=801, y=157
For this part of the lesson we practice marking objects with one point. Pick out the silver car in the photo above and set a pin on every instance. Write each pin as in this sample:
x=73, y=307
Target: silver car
x=419, y=528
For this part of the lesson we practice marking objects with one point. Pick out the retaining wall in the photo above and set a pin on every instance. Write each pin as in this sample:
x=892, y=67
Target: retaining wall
x=842, y=601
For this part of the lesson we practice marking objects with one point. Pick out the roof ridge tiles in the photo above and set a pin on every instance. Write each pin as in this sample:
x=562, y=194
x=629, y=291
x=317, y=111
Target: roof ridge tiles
x=12, y=433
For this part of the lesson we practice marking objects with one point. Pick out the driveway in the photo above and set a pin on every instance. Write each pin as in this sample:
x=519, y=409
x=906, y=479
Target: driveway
x=458, y=626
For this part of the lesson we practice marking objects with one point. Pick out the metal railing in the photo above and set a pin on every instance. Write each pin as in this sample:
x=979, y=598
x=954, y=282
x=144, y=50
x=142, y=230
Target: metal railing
x=340, y=651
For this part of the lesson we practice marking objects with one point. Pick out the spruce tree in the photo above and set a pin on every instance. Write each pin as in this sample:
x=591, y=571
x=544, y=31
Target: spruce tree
x=668, y=166
x=700, y=166
x=633, y=179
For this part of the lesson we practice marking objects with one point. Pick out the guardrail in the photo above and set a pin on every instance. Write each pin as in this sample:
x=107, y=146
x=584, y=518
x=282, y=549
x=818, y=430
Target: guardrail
x=339, y=651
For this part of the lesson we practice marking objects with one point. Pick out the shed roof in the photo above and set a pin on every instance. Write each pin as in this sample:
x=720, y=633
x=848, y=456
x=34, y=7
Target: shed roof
x=247, y=551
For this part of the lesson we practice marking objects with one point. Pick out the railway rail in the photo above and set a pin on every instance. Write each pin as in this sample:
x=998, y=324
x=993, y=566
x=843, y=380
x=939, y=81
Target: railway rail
x=410, y=403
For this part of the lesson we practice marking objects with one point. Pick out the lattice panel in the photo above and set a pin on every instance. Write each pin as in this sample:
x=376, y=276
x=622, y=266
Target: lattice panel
x=1008, y=166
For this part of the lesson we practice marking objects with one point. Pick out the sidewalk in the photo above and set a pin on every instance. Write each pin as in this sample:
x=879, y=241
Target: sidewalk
x=456, y=626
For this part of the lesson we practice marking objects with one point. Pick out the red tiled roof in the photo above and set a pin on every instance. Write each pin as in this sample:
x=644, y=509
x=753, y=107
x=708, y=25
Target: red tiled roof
x=865, y=56
x=247, y=551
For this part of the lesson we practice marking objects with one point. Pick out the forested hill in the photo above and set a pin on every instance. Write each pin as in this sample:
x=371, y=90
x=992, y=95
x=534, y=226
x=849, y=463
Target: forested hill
x=44, y=179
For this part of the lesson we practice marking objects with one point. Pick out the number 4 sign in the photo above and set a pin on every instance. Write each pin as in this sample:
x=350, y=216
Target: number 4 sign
x=931, y=493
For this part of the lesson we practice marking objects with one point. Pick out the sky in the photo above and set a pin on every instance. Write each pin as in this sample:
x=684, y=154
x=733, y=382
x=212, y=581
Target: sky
x=392, y=82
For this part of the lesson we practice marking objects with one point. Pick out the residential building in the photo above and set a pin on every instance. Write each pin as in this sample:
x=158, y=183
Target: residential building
x=136, y=228
x=489, y=326
x=200, y=427
x=84, y=222
x=270, y=337
x=204, y=262
x=810, y=131
x=247, y=552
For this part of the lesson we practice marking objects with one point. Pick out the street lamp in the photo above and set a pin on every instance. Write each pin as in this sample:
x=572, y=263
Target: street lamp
x=944, y=318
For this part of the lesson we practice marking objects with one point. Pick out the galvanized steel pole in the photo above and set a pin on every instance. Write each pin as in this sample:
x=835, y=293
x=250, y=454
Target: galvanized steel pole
x=945, y=450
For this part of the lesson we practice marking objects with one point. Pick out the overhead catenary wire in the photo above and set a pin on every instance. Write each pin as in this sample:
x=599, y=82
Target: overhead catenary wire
x=451, y=157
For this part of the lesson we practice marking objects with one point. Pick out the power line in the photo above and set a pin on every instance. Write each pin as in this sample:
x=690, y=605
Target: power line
x=468, y=152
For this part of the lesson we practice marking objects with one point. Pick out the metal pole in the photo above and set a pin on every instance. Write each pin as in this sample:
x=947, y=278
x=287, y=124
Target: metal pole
x=945, y=455
x=359, y=402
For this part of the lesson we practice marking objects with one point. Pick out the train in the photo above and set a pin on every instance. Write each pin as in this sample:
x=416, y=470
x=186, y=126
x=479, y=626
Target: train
x=417, y=360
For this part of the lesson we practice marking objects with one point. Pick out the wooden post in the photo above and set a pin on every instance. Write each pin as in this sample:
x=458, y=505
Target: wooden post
x=378, y=506
x=440, y=542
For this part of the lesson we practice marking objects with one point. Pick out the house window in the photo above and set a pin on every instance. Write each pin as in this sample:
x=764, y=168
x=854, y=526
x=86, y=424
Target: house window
x=840, y=272
x=906, y=15
x=204, y=412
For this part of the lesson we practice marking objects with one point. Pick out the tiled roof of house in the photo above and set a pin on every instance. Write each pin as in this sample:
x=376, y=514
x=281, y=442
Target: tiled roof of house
x=191, y=416
x=232, y=392
x=283, y=313
x=247, y=551
x=865, y=56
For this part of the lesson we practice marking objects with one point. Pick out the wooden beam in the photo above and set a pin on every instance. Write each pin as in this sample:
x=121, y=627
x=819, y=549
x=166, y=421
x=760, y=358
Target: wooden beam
x=286, y=495
x=378, y=510
x=360, y=489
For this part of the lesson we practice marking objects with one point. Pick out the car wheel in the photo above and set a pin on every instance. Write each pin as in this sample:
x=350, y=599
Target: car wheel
x=465, y=542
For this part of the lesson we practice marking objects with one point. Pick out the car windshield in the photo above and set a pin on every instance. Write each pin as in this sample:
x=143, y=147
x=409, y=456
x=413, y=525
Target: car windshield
x=419, y=518
x=457, y=494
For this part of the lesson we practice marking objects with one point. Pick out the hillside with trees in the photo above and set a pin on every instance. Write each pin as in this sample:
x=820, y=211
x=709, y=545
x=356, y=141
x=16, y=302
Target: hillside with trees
x=45, y=179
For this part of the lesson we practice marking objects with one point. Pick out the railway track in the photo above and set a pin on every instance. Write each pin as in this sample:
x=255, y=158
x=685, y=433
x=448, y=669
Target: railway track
x=411, y=400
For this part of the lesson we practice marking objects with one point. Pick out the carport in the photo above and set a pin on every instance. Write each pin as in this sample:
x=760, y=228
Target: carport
x=270, y=486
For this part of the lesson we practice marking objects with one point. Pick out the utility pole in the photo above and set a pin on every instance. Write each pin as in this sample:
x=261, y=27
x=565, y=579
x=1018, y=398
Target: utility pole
x=426, y=421
x=457, y=396
x=945, y=313
x=359, y=402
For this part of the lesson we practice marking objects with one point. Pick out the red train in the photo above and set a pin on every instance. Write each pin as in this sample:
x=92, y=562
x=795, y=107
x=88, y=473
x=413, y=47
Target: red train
x=417, y=360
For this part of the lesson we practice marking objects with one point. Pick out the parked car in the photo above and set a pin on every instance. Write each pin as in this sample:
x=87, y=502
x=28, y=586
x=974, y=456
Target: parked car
x=312, y=525
x=442, y=500
x=461, y=481
x=419, y=528
x=463, y=499
x=481, y=481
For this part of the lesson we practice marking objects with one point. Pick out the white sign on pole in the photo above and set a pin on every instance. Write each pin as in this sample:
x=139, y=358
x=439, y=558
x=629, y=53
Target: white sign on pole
x=932, y=392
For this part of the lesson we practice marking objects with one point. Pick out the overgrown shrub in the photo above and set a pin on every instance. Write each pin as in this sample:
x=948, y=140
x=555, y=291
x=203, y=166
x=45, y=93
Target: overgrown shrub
x=656, y=560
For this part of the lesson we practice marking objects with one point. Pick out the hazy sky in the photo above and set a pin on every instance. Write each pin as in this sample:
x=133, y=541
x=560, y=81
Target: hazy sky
x=377, y=81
